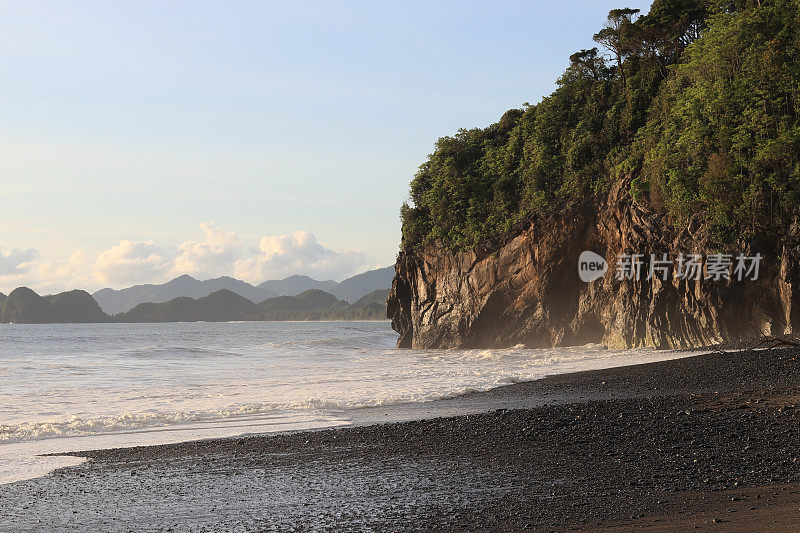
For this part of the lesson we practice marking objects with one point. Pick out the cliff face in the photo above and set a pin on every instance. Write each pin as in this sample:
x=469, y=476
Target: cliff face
x=527, y=291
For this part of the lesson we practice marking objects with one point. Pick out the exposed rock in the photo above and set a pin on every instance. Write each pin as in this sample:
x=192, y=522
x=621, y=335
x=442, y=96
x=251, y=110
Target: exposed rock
x=527, y=290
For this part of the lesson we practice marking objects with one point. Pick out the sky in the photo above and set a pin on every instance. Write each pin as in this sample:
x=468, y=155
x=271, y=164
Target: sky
x=145, y=140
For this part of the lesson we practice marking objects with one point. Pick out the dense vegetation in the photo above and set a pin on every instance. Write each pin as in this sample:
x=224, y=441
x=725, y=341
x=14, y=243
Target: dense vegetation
x=23, y=306
x=696, y=103
x=319, y=305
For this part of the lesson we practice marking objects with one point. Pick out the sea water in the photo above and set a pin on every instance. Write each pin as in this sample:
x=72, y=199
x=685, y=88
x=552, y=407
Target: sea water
x=69, y=387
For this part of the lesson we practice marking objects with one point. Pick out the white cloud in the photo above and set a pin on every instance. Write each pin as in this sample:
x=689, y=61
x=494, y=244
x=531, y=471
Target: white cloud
x=217, y=253
x=299, y=253
x=16, y=261
x=132, y=262
x=211, y=257
x=58, y=275
x=53, y=275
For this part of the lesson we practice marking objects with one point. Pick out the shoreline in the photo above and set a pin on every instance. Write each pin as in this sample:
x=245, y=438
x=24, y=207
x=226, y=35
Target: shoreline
x=629, y=446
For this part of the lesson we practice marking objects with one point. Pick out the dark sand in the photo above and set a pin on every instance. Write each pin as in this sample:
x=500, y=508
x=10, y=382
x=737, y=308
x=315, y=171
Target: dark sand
x=709, y=442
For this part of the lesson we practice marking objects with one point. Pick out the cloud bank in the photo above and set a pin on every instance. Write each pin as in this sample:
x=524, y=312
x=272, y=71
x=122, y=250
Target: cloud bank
x=45, y=276
x=15, y=261
x=131, y=262
x=283, y=255
x=216, y=253
x=212, y=256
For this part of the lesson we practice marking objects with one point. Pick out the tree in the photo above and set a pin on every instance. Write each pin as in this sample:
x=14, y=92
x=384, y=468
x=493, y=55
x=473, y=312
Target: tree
x=588, y=63
x=703, y=118
x=614, y=36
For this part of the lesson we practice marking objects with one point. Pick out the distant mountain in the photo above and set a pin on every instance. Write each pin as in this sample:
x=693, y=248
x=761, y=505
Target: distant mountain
x=371, y=306
x=118, y=301
x=313, y=304
x=24, y=306
x=375, y=297
x=351, y=289
x=224, y=306
x=220, y=306
x=294, y=285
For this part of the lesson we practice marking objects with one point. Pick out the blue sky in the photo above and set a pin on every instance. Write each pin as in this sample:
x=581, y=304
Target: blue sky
x=143, y=140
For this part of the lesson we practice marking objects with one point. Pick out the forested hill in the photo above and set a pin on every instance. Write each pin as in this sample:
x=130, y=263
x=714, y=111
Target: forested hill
x=695, y=104
x=121, y=300
x=679, y=132
x=24, y=306
x=224, y=305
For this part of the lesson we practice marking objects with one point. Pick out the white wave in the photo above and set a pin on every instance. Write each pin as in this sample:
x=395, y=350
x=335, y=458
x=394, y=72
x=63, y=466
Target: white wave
x=118, y=382
x=155, y=352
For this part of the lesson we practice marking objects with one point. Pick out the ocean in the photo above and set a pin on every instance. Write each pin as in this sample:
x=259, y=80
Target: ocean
x=68, y=387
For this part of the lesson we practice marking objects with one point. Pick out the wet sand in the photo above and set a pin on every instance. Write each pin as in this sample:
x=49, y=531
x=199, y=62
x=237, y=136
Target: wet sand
x=710, y=442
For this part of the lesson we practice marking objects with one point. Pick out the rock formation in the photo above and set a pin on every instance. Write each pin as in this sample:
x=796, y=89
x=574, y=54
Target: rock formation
x=526, y=290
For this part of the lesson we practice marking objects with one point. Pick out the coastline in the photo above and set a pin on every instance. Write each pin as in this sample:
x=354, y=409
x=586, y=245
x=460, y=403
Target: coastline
x=686, y=441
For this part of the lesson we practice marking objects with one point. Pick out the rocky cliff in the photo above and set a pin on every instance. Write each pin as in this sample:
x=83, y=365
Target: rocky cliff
x=526, y=290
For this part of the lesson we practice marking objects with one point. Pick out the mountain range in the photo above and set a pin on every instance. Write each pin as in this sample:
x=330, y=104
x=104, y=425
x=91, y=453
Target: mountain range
x=113, y=301
x=24, y=306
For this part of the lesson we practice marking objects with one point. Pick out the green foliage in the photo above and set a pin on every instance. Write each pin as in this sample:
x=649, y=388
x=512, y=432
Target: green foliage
x=725, y=137
x=698, y=106
x=24, y=306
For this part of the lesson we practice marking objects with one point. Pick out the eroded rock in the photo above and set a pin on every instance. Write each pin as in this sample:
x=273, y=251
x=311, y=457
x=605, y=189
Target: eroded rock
x=527, y=290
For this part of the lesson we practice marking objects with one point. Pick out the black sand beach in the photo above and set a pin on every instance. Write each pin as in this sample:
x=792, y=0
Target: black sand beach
x=710, y=442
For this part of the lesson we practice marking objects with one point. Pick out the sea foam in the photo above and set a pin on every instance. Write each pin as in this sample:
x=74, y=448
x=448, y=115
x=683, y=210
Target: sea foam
x=71, y=386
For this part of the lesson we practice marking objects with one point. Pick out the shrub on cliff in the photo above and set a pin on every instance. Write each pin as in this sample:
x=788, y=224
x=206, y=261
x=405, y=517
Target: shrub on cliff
x=698, y=106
